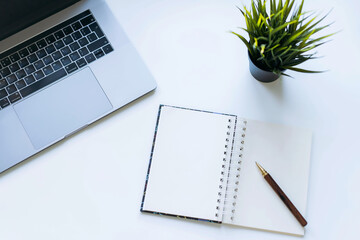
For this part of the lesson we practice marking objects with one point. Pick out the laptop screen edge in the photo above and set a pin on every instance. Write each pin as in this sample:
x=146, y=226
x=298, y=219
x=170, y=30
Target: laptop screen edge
x=28, y=20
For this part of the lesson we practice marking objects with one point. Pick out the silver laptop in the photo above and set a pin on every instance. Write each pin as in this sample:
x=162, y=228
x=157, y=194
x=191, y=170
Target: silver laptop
x=63, y=65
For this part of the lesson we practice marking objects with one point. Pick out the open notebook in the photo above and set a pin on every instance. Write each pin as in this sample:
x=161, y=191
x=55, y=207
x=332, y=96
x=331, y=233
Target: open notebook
x=202, y=167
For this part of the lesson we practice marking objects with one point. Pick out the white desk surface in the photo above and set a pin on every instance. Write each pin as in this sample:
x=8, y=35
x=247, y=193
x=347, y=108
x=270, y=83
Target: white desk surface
x=90, y=186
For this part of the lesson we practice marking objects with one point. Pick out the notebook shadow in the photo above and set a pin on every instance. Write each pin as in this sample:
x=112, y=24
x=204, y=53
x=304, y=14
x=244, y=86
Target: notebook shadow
x=261, y=230
x=186, y=220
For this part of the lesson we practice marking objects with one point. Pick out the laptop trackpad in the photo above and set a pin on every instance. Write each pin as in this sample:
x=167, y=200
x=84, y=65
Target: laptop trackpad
x=62, y=108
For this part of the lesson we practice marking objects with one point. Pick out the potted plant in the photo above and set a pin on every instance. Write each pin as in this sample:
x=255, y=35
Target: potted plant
x=280, y=39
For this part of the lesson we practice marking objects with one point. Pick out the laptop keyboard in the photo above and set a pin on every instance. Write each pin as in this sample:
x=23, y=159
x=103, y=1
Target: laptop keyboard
x=50, y=56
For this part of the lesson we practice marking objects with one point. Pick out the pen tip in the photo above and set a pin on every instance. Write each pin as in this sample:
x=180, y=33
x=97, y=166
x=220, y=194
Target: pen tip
x=262, y=170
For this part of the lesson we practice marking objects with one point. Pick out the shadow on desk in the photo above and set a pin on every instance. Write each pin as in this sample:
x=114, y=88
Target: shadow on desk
x=94, y=124
x=276, y=88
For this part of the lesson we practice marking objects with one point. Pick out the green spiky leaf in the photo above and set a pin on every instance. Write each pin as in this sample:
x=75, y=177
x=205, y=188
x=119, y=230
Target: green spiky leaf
x=281, y=35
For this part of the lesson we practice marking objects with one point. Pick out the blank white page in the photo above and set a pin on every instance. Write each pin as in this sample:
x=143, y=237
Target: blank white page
x=186, y=164
x=285, y=153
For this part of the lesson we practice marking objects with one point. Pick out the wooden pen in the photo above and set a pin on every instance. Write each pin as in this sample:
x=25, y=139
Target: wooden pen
x=282, y=195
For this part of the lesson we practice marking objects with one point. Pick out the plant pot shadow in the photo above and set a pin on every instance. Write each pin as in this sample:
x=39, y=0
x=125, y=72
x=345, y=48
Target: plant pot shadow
x=275, y=88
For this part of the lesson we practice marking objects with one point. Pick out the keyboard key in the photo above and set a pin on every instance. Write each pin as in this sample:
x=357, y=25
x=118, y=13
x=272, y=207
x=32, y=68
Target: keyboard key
x=76, y=26
x=41, y=53
x=5, y=72
x=39, y=64
x=95, y=28
x=107, y=49
x=30, y=69
x=90, y=58
x=23, y=62
x=67, y=40
x=87, y=20
x=59, y=44
x=14, y=67
x=59, y=34
x=41, y=44
x=11, y=78
x=74, y=56
x=11, y=89
x=29, y=79
x=68, y=30
x=71, y=68
x=47, y=70
x=56, y=55
x=47, y=60
x=14, y=97
x=99, y=53
x=24, y=52
x=97, y=44
x=92, y=37
x=83, y=41
x=4, y=103
x=83, y=51
x=56, y=65
x=50, y=39
x=81, y=62
x=5, y=62
x=32, y=58
x=20, y=84
x=33, y=48
x=42, y=83
x=65, y=61
x=39, y=74
x=65, y=51
x=85, y=31
x=20, y=74
x=50, y=49
x=3, y=83
x=15, y=57
x=74, y=46
x=76, y=35
x=52, y=57
x=3, y=93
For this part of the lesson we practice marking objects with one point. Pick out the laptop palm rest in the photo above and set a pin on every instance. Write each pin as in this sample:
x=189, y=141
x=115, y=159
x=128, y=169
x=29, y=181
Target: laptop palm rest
x=62, y=108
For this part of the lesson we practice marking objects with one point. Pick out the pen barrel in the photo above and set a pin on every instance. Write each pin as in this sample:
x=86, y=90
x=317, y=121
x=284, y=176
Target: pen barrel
x=286, y=200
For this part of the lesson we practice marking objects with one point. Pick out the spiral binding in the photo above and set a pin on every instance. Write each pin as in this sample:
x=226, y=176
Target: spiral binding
x=224, y=174
x=234, y=172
